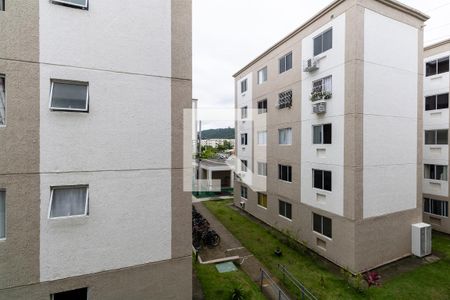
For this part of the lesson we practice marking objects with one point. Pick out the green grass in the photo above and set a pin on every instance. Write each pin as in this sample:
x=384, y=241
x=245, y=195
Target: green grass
x=426, y=282
x=220, y=286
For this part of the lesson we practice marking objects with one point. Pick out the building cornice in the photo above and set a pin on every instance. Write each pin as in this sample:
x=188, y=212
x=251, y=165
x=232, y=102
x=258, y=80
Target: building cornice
x=391, y=3
x=438, y=44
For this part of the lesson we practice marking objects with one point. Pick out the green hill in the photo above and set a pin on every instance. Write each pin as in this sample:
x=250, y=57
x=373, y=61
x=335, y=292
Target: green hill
x=218, y=133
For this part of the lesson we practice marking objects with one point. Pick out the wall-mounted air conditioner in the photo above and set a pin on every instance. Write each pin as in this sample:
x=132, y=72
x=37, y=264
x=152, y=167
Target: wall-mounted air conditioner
x=421, y=239
x=320, y=108
x=310, y=65
x=242, y=204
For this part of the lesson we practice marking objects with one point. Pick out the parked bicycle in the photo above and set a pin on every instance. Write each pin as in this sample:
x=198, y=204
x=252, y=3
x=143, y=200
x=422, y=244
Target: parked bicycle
x=202, y=234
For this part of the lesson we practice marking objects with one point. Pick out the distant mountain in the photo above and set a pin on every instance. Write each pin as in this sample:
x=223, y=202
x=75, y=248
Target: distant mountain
x=219, y=133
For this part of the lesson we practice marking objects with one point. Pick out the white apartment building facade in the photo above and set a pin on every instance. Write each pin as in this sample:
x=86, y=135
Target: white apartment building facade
x=436, y=125
x=91, y=200
x=341, y=105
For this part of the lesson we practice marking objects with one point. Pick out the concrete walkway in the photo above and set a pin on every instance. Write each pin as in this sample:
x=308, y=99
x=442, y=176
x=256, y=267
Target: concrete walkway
x=230, y=246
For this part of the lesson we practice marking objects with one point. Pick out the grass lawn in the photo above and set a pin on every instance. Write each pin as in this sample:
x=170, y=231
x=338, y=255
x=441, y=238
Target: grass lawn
x=220, y=286
x=426, y=282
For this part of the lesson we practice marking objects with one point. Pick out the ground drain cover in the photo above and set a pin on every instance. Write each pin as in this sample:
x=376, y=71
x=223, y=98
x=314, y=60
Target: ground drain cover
x=226, y=267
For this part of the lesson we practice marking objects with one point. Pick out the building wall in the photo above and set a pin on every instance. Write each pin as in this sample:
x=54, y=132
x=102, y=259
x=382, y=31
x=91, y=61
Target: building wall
x=436, y=119
x=245, y=152
x=390, y=120
x=19, y=143
x=127, y=148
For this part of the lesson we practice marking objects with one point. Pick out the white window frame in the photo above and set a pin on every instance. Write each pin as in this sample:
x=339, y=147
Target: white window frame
x=431, y=205
x=257, y=200
x=69, y=3
x=244, y=83
x=244, y=165
x=435, y=132
x=322, y=135
x=284, y=59
x=244, y=112
x=285, y=210
x=86, y=203
x=4, y=238
x=244, y=138
x=83, y=83
x=246, y=192
x=280, y=171
x=262, y=169
x=261, y=110
x=3, y=76
x=262, y=75
x=321, y=226
x=321, y=36
x=434, y=166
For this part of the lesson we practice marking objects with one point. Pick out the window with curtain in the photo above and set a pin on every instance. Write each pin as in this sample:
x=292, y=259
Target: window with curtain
x=2, y=214
x=262, y=169
x=262, y=137
x=69, y=201
x=323, y=85
x=285, y=136
x=2, y=100
x=69, y=96
x=262, y=75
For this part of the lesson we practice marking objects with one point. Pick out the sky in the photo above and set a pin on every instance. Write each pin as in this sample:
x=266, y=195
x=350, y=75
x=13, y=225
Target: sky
x=228, y=34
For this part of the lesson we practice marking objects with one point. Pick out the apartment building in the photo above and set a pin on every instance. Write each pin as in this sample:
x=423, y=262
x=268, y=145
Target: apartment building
x=436, y=125
x=331, y=138
x=91, y=201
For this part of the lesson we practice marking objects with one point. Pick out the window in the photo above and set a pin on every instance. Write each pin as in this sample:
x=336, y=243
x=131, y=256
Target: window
x=322, y=180
x=2, y=214
x=69, y=201
x=262, y=75
x=262, y=106
x=244, y=112
x=75, y=3
x=69, y=96
x=436, y=207
x=322, y=225
x=244, y=139
x=323, y=42
x=323, y=85
x=436, y=172
x=437, y=66
x=243, y=86
x=286, y=63
x=436, y=137
x=2, y=5
x=285, y=136
x=285, y=173
x=322, y=134
x=285, y=99
x=244, y=192
x=262, y=200
x=285, y=209
x=2, y=100
x=436, y=102
x=244, y=164
x=78, y=294
x=262, y=169
x=262, y=137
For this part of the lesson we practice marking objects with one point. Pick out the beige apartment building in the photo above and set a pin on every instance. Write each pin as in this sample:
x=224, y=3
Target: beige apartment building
x=329, y=132
x=436, y=125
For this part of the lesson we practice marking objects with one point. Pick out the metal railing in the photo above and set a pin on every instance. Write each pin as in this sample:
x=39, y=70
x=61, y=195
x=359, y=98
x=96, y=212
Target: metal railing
x=304, y=293
x=275, y=292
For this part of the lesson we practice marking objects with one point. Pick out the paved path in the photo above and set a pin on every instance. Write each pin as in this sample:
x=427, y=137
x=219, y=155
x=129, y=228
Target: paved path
x=230, y=246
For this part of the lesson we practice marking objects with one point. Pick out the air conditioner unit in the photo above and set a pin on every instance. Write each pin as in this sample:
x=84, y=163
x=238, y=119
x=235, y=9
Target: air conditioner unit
x=311, y=65
x=421, y=239
x=320, y=108
x=242, y=204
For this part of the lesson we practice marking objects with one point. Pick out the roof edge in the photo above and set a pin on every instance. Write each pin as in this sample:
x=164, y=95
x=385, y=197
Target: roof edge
x=435, y=45
x=392, y=3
